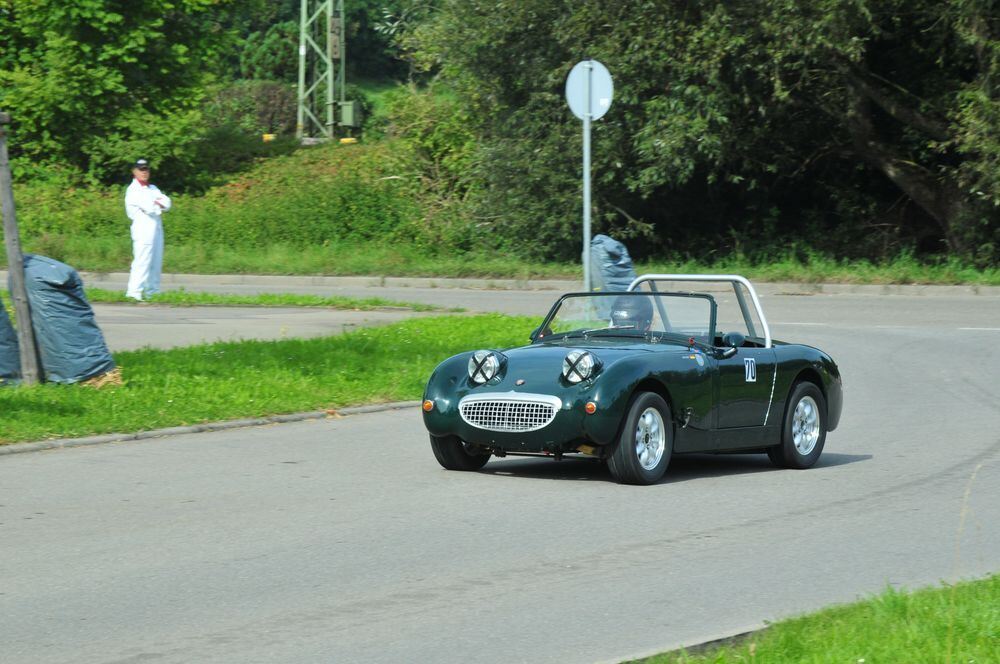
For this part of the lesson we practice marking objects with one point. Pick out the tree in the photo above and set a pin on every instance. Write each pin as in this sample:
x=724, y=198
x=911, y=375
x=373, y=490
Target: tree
x=818, y=119
x=271, y=51
x=273, y=54
x=78, y=71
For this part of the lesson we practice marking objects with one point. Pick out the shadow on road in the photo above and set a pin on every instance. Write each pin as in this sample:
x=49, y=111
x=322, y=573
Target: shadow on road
x=548, y=469
x=683, y=467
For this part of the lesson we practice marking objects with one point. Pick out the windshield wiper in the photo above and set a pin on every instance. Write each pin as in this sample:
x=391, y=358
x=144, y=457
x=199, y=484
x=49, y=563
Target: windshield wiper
x=583, y=333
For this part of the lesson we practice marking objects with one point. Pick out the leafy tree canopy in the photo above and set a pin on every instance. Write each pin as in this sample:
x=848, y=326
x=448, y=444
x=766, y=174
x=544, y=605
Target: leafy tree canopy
x=858, y=122
x=76, y=72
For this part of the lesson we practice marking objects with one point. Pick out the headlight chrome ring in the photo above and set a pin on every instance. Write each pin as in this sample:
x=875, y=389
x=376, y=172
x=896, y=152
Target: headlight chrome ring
x=579, y=365
x=484, y=365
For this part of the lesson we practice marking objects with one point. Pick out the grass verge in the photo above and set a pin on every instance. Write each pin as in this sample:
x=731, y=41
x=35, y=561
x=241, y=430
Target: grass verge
x=811, y=267
x=254, y=378
x=184, y=298
x=959, y=623
x=341, y=258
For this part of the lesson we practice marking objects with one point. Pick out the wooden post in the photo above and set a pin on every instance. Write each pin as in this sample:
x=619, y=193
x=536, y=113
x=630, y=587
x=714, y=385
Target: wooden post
x=15, y=265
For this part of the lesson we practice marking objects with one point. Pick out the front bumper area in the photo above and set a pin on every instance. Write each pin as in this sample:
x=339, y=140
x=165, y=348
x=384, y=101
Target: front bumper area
x=512, y=422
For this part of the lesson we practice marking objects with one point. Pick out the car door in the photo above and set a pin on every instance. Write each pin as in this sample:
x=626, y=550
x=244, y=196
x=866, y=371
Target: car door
x=745, y=387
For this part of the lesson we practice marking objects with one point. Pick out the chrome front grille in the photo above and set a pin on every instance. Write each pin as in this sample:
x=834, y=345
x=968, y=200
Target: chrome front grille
x=510, y=412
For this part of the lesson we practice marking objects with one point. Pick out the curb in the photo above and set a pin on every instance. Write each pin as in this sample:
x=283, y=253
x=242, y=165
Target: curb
x=59, y=443
x=701, y=647
x=558, y=285
x=197, y=281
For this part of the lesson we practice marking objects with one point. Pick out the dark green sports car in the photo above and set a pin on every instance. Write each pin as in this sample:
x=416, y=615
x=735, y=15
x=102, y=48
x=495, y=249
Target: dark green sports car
x=633, y=378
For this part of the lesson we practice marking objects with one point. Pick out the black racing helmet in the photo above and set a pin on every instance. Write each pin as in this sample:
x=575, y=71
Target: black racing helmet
x=632, y=310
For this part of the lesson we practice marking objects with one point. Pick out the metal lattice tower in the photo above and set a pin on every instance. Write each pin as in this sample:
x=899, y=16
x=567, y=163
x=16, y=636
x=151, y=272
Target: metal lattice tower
x=321, y=67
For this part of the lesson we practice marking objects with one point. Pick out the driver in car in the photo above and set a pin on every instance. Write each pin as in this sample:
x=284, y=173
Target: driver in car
x=632, y=311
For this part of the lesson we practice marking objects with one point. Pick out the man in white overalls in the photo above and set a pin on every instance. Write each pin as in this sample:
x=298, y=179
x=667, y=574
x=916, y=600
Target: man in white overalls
x=144, y=204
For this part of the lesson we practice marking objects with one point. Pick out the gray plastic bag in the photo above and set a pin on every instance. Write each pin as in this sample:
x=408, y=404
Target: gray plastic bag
x=611, y=267
x=10, y=354
x=70, y=345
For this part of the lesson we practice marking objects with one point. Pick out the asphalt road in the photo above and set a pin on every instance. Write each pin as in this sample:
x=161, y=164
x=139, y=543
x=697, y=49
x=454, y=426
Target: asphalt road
x=343, y=541
x=129, y=326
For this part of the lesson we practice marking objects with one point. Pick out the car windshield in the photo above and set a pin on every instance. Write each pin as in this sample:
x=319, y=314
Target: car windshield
x=647, y=315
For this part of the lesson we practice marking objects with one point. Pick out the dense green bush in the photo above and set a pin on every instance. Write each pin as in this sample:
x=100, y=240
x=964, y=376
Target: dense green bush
x=188, y=153
x=436, y=137
x=272, y=54
x=317, y=196
x=253, y=106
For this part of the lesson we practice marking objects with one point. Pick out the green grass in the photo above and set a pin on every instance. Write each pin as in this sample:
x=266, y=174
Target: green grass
x=379, y=259
x=254, y=378
x=334, y=258
x=959, y=624
x=811, y=267
x=184, y=298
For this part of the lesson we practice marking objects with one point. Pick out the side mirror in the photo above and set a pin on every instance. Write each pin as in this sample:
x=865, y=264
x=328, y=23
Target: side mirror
x=731, y=342
x=726, y=353
x=538, y=333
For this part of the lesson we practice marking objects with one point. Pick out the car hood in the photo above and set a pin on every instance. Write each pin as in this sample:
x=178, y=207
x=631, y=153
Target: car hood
x=539, y=366
x=608, y=350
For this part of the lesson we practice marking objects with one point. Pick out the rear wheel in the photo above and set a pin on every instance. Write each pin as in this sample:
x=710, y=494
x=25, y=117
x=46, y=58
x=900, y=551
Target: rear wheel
x=803, y=432
x=453, y=454
x=646, y=442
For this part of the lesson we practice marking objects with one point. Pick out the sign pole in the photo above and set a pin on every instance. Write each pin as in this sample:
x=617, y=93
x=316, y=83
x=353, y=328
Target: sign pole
x=15, y=265
x=589, y=90
x=300, y=123
x=586, y=179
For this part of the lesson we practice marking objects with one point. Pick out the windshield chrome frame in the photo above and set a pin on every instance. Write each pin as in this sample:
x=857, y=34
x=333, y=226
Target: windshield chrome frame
x=658, y=295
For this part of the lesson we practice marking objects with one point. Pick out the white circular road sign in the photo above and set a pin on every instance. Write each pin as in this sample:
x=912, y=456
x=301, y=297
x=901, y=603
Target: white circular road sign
x=589, y=89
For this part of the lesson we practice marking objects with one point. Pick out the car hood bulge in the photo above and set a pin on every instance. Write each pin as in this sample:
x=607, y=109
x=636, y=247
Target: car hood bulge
x=544, y=361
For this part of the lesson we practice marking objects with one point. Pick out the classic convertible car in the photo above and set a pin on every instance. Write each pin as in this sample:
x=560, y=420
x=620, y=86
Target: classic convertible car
x=633, y=378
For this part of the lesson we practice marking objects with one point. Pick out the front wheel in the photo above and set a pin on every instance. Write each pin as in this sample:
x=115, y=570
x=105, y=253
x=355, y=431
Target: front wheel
x=453, y=454
x=643, y=451
x=803, y=432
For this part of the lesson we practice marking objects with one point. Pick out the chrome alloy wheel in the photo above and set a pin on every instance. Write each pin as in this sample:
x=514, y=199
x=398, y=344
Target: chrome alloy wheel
x=805, y=425
x=650, y=439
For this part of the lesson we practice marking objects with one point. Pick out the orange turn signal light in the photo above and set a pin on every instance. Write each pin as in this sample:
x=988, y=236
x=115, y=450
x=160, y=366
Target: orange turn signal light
x=591, y=408
x=428, y=406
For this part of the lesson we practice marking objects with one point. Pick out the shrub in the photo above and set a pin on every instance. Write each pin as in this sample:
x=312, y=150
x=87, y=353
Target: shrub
x=320, y=194
x=255, y=107
x=435, y=134
x=272, y=54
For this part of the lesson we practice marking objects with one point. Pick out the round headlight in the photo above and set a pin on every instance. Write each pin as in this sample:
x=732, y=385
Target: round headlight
x=484, y=365
x=579, y=365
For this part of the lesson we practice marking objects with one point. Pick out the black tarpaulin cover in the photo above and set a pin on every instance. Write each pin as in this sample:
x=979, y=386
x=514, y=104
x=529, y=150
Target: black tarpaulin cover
x=70, y=345
x=10, y=357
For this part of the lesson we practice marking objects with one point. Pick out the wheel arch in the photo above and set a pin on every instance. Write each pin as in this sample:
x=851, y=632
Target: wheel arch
x=811, y=375
x=798, y=363
x=650, y=384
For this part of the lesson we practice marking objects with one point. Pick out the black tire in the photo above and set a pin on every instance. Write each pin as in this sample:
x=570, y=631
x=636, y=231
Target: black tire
x=453, y=454
x=627, y=462
x=803, y=398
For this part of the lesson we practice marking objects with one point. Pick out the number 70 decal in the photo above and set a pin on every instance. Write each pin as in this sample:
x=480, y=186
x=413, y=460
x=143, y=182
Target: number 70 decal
x=750, y=366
